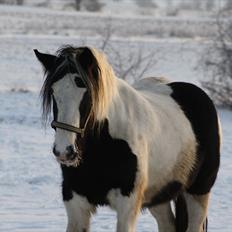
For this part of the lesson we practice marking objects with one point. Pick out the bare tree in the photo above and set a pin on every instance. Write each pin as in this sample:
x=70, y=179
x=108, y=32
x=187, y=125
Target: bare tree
x=92, y=5
x=12, y=2
x=78, y=4
x=229, y=4
x=130, y=62
x=217, y=62
x=146, y=3
x=197, y=5
x=20, y=2
x=89, y=5
x=209, y=4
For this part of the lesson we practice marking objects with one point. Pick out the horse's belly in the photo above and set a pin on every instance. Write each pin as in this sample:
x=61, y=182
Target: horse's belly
x=169, y=168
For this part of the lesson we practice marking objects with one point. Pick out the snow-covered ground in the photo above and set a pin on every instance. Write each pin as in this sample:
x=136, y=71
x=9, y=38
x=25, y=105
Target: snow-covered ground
x=30, y=197
x=30, y=177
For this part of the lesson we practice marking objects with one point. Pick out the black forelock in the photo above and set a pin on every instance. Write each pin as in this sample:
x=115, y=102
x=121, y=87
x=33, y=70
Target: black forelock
x=63, y=64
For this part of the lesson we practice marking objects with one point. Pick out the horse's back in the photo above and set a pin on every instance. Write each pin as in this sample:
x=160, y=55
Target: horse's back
x=201, y=112
x=155, y=85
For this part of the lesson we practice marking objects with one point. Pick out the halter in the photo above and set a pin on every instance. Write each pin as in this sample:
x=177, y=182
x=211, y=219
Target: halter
x=67, y=127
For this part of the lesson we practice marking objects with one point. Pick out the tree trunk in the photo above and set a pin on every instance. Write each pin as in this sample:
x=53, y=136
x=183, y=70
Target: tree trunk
x=19, y=2
x=78, y=4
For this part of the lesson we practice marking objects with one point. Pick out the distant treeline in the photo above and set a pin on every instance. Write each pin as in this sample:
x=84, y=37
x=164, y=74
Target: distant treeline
x=96, y=5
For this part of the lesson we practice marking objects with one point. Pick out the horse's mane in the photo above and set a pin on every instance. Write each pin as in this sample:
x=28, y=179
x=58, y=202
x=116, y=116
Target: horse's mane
x=98, y=77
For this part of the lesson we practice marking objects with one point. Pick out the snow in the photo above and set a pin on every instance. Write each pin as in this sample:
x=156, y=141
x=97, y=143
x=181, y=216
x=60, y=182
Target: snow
x=30, y=178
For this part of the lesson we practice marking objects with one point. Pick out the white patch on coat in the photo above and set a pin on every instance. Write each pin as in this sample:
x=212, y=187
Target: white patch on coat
x=68, y=97
x=126, y=209
x=79, y=211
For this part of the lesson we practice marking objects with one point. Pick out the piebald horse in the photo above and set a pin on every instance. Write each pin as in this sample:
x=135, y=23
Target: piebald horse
x=129, y=147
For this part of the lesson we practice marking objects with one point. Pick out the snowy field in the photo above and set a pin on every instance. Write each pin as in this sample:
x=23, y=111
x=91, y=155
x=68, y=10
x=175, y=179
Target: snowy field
x=26, y=20
x=30, y=196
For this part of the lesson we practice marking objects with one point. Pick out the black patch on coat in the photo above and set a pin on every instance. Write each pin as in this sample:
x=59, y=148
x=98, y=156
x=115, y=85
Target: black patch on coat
x=107, y=163
x=167, y=193
x=201, y=112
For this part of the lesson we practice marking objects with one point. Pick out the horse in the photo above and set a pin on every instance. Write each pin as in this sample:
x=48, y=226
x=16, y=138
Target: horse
x=148, y=145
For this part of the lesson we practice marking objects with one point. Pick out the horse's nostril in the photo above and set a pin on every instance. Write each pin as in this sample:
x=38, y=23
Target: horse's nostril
x=70, y=149
x=71, y=154
x=55, y=152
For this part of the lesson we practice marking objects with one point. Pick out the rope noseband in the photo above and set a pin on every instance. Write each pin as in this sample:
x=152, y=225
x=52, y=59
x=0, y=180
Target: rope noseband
x=67, y=127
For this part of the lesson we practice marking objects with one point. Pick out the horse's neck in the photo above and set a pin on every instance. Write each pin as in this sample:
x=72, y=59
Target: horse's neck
x=127, y=109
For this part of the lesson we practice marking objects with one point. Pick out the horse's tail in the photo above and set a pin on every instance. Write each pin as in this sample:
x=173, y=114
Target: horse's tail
x=205, y=225
x=181, y=214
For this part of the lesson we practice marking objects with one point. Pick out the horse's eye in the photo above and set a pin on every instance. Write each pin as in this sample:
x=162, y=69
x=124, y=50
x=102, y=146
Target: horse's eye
x=79, y=82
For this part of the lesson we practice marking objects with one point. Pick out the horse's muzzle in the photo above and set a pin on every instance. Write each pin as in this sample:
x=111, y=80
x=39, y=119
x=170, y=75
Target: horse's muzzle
x=70, y=158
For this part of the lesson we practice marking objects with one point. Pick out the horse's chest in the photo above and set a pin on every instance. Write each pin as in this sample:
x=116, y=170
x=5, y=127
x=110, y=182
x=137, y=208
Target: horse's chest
x=105, y=166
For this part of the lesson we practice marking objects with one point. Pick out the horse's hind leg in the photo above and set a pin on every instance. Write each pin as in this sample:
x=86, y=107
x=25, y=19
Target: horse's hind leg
x=164, y=217
x=197, y=206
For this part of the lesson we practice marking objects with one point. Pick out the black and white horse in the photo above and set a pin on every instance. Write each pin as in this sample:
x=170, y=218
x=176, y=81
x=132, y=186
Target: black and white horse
x=129, y=147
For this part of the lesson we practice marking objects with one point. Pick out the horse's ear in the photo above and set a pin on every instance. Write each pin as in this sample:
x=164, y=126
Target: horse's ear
x=46, y=60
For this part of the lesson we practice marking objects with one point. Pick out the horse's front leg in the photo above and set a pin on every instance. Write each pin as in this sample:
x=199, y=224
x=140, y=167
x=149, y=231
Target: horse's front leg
x=79, y=211
x=127, y=208
x=127, y=214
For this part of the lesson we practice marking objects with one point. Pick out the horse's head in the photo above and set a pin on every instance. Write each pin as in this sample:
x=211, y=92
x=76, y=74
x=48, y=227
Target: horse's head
x=70, y=88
